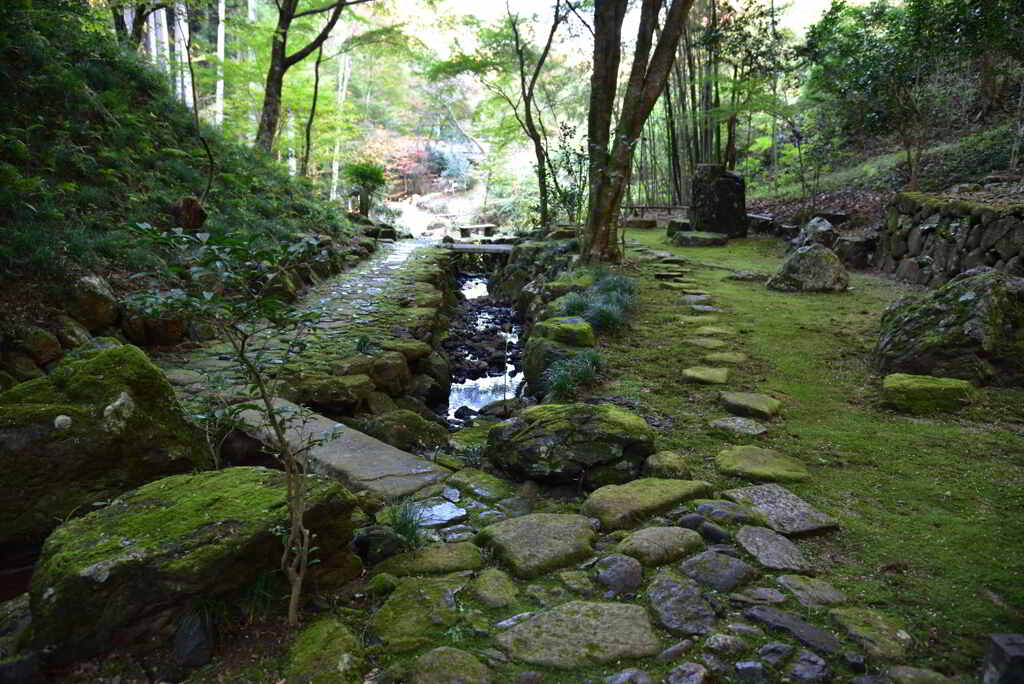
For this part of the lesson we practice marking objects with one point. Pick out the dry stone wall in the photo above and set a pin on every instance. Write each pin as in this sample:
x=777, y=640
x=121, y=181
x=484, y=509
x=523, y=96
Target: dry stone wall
x=929, y=239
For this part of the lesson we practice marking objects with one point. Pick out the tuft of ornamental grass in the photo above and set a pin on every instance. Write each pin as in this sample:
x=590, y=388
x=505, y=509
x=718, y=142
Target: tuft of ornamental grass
x=405, y=521
x=564, y=378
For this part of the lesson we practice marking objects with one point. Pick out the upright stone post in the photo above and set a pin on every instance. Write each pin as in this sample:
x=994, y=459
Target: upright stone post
x=719, y=201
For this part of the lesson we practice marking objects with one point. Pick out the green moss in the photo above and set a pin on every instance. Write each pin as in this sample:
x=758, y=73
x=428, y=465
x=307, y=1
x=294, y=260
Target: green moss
x=327, y=652
x=572, y=330
x=922, y=394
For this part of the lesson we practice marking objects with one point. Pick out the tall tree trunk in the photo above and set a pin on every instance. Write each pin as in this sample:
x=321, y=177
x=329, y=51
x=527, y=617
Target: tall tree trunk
x=304, y=168
x=673, y=149
x=647, y=79
x=182, y=40
x=218, y=107
x=344, y=74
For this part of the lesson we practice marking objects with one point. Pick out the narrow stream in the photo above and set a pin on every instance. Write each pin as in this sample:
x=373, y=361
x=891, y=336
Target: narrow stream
x=484, y=349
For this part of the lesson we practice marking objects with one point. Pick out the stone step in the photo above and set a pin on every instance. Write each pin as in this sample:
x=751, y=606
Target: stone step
x=358, y=460
x=706, y=375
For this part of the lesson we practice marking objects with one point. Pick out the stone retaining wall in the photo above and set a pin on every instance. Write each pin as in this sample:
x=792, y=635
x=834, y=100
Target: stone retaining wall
x=929, y=239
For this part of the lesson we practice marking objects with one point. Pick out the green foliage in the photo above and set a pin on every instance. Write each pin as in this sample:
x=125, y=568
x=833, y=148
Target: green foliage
x=405, y=518
x=574, y=304
x=566, y=377
x=368, y=175
x=92, y=141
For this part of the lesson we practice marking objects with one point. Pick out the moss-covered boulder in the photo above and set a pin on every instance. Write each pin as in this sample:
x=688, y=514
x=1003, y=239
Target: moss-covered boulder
x=92, y=303
x=129, y=571
x=669, y=465
x=342, y=394
x=571, y=330
x=446, y=665
x=921, y=394
x=561, y=443
x=755, y=463
x=814, y=268
x=94, y=428
x=42, y=346
x=971, y=328
x=418, y=613
x=406, y=430
x=326, y=652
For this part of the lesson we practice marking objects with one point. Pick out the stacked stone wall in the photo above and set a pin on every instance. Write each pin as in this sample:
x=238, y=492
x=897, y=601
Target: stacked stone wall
x=929, y=239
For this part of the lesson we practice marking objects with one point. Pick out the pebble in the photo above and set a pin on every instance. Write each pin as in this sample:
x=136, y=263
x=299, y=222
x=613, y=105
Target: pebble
x=725, y=644
x=630, y=676
x=689, y=673
x=691, y=521
x=714, y=534
x=621, y=574
x=809, y=667
x=775, y=652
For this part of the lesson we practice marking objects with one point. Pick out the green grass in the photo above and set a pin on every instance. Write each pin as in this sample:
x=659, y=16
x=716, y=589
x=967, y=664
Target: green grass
x=930, y=509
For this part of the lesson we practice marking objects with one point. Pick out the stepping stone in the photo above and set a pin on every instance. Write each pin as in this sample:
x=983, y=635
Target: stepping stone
x=677, y=260
x=578, y=581
x=739, y=427
x=689, y=673
x=703, y=308
x=582, y=634
x=698, y=238
x=182, y=377
x=679, y=605
x=706, y=375
x=706, y=342
x=718, y=571
x=804, y=632
x=356, y=459
x=784, y=511
x=714, y=330
x=728, y=512
x=670, y=465
x=751, y=404
x=671, y=274
x=755, y=463
x=659, y=545
x=758, y=596
x=695, y=299
x=809, y=667
x=534, y=544
x=771, y=549
x=810, y=592
x=481, y=485
x=435, y=559
x=439, y=513
x=880, y=636
x=703, y=320
x=923, y=394
x=688, y=288
x=725, y=357
x=624, y=506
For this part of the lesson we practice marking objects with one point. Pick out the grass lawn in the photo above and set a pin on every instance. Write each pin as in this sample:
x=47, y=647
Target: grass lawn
x=931, y=510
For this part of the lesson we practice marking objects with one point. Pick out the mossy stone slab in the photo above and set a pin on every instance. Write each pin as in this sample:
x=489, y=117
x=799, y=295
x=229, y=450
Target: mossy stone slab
x=811, y=592
x=771, y=549
x=480, y=485
x=581, y=634
x=697, y=238
x=446, y=665
x=706, y=342
x=782, y=510
x=436, y=559
x=659, y=545
x=751, y=404
x=715, y=330
x=494, y=588
x=668, y=464
x=882, y=637
x=706, y=375
x=418, y=613
x=923, y=394
x=734, y=426
x=534, y=544
x=327, y=652
x=733, y=358
x=755, y=463
x=571, y=330
x=702, y=320
x=625, y=506
x=916, y=675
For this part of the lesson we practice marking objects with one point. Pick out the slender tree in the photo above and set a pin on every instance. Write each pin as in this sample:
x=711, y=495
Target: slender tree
x=611, y=159
x=280, y=60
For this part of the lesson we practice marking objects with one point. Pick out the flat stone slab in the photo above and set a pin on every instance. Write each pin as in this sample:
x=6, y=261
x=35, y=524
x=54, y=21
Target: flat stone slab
x=418, y=613
x=706, y=375
x=580, y=633
x=700, y=320
x=916, y=675
x=435, y=559
x=758, y=596
x=703, y=308
x=696, y=299
x=810, y=592
x=534, y=544
x=465, y=248
x=356, y=459
x=782, y=510
x=718, y=571
x=725, y=357
x=804, y=632
x=743, y=427
x=880, y=635
x=706, y=342
x=697, y=238
x=434, y=513
x=751, y=404
x=771, y=549
x=625, y=506
x=715, y=330
x=481, y=485
x=922, y=394
x=658, y=545
x=679, y=605
x=755, y=463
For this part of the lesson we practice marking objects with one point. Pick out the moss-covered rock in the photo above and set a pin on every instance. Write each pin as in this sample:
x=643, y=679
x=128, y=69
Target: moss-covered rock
x=20, y=366
x=972, y=328
x=667, y=464
x=659, y=545
x=561, y=443
x=538, y=355
x=93, y=429
x=406, y=430
x=390, y=373
x=624, y=506
x=881, y=636
x=814, y=268
x=534, y=544
x=494, y=588
x=42, y=346
x=755, y=463
x=418, y=613
x=571, y=330
x=480, y=485
x=71, y=333
x=326, y=652
x=130, y=570
x=91, y=302
x=751, y=404
x=435, y=559
x=446, y=665
x=332, y=393
x=922, y=394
